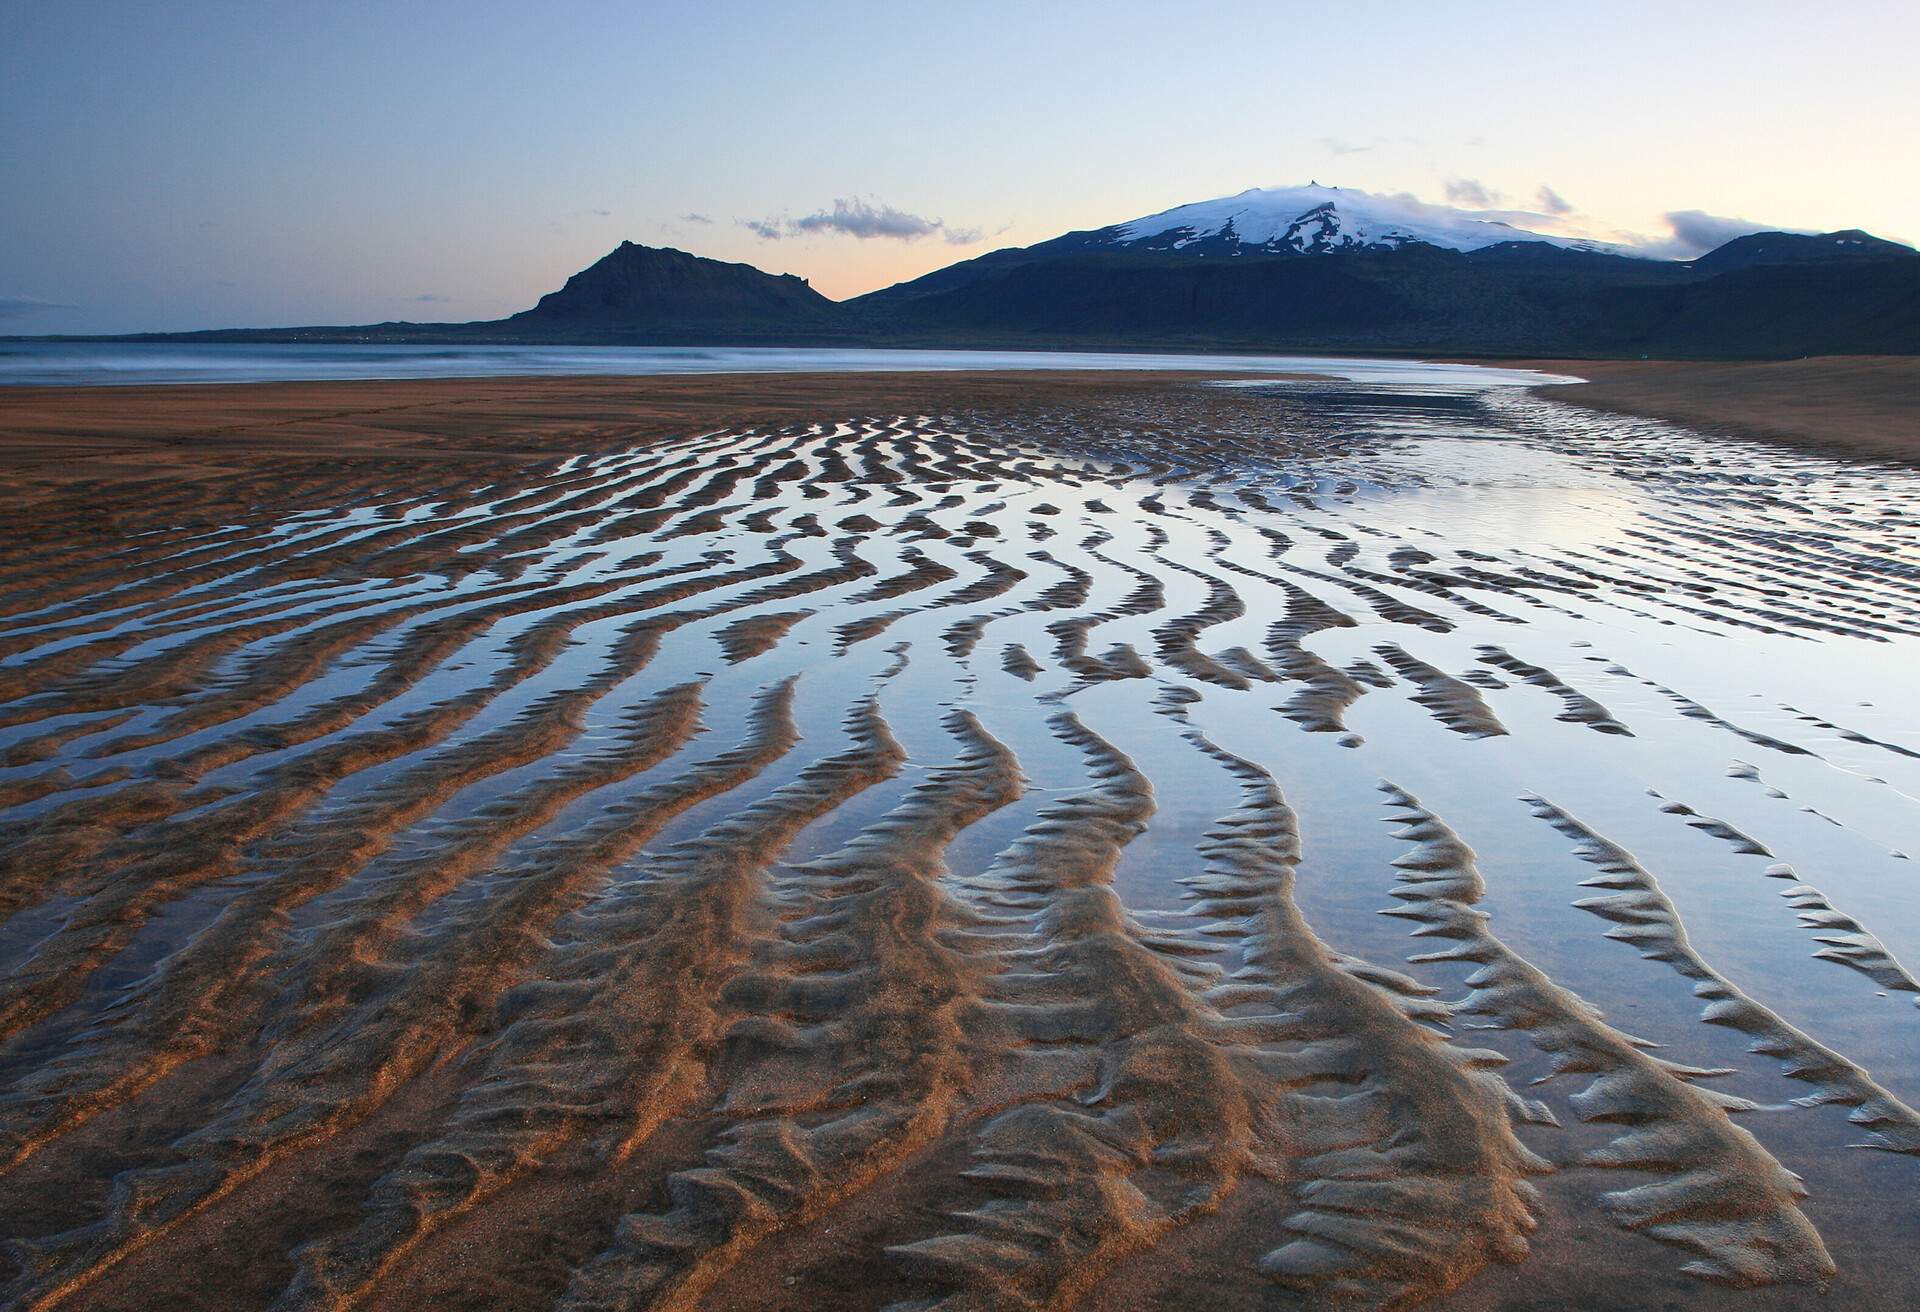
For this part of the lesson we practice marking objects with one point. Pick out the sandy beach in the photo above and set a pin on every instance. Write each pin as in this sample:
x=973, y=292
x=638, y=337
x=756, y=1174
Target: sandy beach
x=962, y=841
x=1869, y=405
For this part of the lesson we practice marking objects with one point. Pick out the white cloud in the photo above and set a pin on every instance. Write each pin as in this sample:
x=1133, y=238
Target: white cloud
x=862, y=218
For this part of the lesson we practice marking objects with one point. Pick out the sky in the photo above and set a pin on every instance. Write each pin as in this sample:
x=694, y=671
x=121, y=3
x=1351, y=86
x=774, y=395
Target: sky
x=278, y=162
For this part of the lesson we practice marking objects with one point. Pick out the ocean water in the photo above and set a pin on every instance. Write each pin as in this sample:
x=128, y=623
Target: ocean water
x=111, y=364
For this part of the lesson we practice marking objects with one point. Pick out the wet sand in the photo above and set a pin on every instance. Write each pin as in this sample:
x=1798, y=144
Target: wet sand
x=1865, y=404
x=91, y=433
x=961, y=841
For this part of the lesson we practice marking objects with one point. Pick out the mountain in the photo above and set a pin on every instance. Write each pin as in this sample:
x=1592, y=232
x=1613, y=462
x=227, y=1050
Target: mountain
x=1782, y=311
x=638, y=290
x=1283, y=222
x=1327, y=268
x=1272, y=269
x=1848, y=245
x=1420, y=299
x=1311, y=220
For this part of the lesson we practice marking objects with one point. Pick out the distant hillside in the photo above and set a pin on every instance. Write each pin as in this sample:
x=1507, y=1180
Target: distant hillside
x=637, y=290
x=1420, y=299
x=1849, y=246
x=634, y=295
x=1867, y=307
x=1286, y=269
x=1328, y=268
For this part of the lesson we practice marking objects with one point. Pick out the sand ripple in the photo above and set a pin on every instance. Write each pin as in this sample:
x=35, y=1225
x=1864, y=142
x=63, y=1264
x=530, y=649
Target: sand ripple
x=929, y=857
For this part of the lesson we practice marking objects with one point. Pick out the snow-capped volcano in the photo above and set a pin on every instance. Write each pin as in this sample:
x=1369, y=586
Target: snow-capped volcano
x=1317, y=220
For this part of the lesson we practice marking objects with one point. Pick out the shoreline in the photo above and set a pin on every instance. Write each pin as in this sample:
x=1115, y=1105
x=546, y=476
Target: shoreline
x=1852, y=405
x=1863, y=406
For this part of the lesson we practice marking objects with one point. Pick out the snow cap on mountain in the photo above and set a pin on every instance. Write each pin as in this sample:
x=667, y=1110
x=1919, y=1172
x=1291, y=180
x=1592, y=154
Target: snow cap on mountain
x=1314, y=220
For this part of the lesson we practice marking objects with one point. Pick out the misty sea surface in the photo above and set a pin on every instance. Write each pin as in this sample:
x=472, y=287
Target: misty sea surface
x=125, y=364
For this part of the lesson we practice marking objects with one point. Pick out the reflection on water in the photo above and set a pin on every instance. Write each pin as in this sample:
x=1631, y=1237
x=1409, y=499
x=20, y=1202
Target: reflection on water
x=1016, y=810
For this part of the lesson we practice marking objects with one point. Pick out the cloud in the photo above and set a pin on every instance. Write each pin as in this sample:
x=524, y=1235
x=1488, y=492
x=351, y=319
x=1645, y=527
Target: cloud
x=429, y=297
x=694, y=216
x=19, y=307
x=1706, y=231
x=1472, y=191
x=1338, y=147
x=1530, y=219
x=1692, y=233
x=1689, y=233
x=1552, y=201
x=861, y=218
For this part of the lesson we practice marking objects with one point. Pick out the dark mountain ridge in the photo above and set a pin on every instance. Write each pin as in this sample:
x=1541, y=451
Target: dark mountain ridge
x=1850, y=245
x=1496, y=301
x=644, y=288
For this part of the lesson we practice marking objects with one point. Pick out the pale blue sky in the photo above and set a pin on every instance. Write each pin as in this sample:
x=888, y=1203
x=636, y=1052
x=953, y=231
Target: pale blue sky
x=196, y=163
